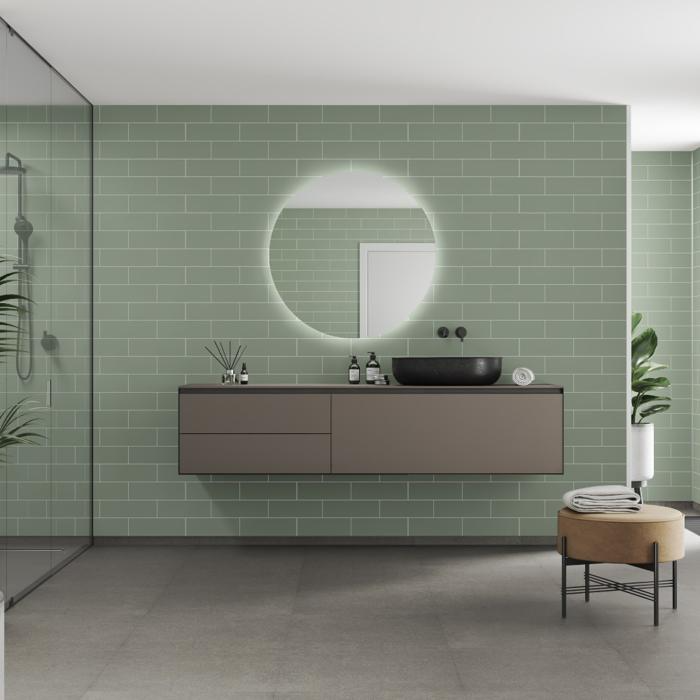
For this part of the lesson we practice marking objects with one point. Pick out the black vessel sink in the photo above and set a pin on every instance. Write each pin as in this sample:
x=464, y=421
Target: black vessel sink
x=440, y=371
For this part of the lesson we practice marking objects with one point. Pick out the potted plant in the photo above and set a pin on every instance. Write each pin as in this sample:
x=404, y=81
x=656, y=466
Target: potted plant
x=646, y=401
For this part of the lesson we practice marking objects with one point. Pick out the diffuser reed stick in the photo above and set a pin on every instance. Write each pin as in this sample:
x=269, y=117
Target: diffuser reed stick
x=228, y=360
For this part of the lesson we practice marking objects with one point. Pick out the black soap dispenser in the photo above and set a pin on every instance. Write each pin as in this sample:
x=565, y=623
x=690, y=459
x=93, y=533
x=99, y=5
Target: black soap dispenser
x=372, y=369
x=354, y=371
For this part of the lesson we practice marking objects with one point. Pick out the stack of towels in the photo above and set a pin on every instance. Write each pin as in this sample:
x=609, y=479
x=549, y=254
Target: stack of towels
x=603, y=499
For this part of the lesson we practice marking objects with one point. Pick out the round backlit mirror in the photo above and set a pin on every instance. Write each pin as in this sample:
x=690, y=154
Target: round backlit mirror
x=352, y=254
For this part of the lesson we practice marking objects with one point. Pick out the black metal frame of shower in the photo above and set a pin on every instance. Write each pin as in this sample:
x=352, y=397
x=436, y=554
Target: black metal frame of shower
x=91, y=341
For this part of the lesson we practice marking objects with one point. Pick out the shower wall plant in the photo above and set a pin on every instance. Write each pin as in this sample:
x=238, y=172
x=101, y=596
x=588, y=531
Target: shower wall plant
x=16, y=420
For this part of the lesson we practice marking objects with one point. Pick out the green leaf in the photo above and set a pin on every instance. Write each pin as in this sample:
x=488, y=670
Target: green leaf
x=653, y=410
x=16, y=424
x=636, y=320
x=643, y=346
x=650, y=383
x=646, y=398
x=639, y=371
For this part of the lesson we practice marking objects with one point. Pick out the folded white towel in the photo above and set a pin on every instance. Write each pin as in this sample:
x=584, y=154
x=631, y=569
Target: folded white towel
x=603, y=499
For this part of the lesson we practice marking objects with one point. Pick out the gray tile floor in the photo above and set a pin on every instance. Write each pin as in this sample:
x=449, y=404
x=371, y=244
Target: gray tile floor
x=333, y=623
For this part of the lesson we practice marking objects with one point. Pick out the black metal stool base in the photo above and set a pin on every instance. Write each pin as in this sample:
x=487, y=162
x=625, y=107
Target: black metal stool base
x=648, y=590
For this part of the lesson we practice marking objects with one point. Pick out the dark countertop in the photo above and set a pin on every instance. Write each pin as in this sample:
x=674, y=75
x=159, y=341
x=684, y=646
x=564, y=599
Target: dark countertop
x=369, y=388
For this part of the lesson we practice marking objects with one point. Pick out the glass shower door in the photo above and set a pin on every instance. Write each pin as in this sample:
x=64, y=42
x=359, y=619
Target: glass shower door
x=46, y=239
x=27, y=155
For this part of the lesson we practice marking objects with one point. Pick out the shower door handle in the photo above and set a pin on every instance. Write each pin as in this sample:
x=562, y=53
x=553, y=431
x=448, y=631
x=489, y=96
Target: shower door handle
x=48, y=393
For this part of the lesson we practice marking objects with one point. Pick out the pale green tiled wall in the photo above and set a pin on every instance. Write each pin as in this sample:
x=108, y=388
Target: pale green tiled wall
x=662, y=291
x=529, y=211
x=696, y=325
x=315, y=259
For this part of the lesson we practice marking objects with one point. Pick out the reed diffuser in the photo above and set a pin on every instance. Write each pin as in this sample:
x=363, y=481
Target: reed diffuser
x=228, y=360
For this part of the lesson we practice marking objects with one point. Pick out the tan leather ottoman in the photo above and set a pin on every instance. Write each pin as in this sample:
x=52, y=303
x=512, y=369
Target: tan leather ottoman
x=644, y=539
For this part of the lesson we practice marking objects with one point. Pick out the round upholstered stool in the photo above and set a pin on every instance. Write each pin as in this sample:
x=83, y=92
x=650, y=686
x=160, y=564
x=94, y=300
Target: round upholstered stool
x=644, y=539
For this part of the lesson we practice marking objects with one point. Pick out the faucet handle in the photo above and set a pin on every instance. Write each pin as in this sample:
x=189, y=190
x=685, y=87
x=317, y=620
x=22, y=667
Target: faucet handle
x=461, y=333
x=443, y=332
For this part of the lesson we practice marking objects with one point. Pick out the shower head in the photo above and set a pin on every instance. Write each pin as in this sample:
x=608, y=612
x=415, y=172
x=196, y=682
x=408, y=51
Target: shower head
x=8, y=169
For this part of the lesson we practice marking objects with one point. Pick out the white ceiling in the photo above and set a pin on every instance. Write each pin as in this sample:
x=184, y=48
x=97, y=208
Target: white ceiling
x=645, y=53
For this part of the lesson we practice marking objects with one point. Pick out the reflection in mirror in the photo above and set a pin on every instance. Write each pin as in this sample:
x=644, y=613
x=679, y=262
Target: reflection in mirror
x=352, y=254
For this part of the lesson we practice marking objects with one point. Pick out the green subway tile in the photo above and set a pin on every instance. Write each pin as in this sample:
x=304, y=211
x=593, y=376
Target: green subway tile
x=434, y=526
x=434, y=132
x=491, y=203
x=351, y=113
x=518, y=149
x=519, y=509
x=184, y=113
x=491, y=491
x=324, y=132
x=517, y=113
x=266, y=527
x=153, y=132
x=406, y=509
x=490, y=527
x=350, y=149
x=239, y=509
x=379, y=132
x=600, y=132
x=462, y=509
x=127, y=113
x=573, y=113
x=522, y=221
x=518, y=185
x=239, y=113
x=295, y=509
x=547, y=132
x=379, y=527
x=350, y=509
x=268, y=132
x=268, y=491
x=214, y=132
x=462, y=113
x=435, y=491
x=295, y=113
x=180, y=149
x=313, y=527
x=379, y=491
x=574, y=149
x=490, y=132
x=127, y=509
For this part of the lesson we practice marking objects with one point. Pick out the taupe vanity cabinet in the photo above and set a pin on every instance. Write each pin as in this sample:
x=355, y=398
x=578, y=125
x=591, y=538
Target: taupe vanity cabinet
x=343, y=429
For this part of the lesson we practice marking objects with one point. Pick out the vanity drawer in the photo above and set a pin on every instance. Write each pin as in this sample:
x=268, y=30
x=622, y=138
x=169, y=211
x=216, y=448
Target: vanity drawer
x=514, y=433
x=255, y=413
x=255, y=454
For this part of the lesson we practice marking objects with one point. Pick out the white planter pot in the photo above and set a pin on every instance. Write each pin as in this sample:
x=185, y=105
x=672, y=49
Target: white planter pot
x=641, y=466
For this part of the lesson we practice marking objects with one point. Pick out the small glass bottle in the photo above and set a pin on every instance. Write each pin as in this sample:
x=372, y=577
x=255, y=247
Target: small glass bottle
x=372, y=369
x=354, y=371
x=243, y=376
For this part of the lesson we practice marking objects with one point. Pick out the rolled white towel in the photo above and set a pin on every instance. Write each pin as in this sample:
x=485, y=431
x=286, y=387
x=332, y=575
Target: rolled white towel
x=523, y=376
x=603, y=499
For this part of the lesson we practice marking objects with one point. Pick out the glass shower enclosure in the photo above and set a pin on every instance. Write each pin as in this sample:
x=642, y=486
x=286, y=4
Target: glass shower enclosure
x=46, y=359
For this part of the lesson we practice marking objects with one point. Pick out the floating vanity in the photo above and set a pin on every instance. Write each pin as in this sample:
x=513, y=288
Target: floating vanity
x=364, y=429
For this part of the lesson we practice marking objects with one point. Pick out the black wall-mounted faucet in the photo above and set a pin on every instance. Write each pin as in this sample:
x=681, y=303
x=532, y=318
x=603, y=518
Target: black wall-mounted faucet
x=460, y=332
